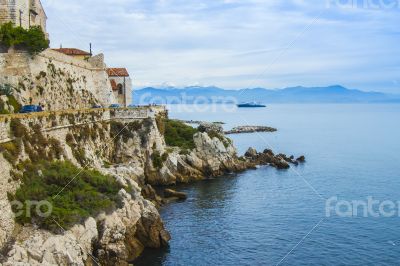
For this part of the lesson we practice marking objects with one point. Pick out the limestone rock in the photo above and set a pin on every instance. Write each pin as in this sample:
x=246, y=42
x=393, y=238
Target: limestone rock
x=170, y=193
x=124, y=233
x=301, y=159
x=117, y=238
x=250, y=129
x=267, y=157
x=210, y=127
x=251, y=152
x=149, y=193
x=39, y=247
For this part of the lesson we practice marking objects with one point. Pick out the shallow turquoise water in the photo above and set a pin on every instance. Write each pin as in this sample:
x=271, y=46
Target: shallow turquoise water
x=258, y=217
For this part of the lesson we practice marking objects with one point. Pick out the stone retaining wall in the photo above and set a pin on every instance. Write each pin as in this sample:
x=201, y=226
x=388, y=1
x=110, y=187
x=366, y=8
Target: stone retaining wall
x=56, y=80
x=52, y=121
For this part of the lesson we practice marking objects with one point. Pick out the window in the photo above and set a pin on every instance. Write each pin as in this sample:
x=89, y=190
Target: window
x=120, y=89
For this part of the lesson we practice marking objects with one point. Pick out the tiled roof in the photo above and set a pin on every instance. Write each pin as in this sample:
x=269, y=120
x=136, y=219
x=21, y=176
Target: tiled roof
x=113, y=85
x=117, y=72
x=72, y=51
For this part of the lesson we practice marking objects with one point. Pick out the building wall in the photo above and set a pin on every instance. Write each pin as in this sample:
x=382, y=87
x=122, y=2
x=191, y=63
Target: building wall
x=10, y=12
x=41, y=18
x=123, y=99
x=56, y=80
x=80, y=57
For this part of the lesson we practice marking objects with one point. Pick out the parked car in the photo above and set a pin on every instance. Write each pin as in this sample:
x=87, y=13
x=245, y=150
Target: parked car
x=115, y=106
x=26, y=109
x=97, y=106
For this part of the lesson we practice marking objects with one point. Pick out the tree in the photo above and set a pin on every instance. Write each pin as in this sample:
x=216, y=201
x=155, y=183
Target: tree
x=32, y=40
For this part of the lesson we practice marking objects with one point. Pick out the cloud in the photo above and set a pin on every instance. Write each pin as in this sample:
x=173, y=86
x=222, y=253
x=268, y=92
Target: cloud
x=236, y=43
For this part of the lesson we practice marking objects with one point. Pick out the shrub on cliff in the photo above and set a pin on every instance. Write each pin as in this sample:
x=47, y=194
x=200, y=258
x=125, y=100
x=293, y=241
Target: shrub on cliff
x=87, y=195
x=158, y=160
x=5, y=89
x=9, y=100
x=178, y=134
x=33, y=39
x=124, y=131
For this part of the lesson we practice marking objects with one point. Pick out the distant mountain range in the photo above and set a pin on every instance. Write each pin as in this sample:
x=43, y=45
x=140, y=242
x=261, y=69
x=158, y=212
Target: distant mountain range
x=206, y=95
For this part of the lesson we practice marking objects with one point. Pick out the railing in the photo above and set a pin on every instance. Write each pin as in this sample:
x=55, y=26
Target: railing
x=56, y=120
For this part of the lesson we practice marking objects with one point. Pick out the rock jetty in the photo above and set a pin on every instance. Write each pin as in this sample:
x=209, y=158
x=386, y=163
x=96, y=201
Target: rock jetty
x=250, y=129
x=198, y=122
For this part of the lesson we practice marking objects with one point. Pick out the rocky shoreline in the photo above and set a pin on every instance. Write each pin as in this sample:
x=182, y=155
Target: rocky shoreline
x=139, y=159
x=235, y=130
x=267, y=157
x=229, y=163
x=249, y=129
x=198, y=122
x=252, y=159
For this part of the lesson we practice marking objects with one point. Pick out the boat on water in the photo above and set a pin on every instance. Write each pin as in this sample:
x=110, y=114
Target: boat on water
x=251, y=105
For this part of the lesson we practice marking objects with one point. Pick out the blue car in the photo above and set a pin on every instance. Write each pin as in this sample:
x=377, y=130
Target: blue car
x=115, y=106
x=26, y=109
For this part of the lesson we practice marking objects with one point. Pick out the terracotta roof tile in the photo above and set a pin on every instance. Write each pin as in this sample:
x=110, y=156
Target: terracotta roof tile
x=117, y=72
x=72, y=51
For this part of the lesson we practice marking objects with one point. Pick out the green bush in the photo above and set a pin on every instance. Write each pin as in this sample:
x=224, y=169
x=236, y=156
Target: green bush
x=124, y=130
x=158, y=160
x=89, y=194
x=36, y=145
x=18, y=129
x=10, y=151
x=5, y=89
x=178, y=134
x=3, y=110
x=14, y=103
x=33, y=39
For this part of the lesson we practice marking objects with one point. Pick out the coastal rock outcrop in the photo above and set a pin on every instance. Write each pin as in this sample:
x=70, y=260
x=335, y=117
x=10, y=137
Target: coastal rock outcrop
x=132, y=151
x=210, y=127
x=40, y=247
x=170, y=193
x=267, y=157
x=126, y=232
x=109, y=239
x=301, y=159
x=250, y=129
x=212, y=156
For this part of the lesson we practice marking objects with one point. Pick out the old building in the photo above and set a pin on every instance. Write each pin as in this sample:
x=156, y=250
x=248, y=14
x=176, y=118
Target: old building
x=24, y=13
x=76, y=53
x=121, y=84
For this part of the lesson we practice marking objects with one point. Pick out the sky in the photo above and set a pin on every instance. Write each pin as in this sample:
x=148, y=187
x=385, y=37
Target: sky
x=238, y=43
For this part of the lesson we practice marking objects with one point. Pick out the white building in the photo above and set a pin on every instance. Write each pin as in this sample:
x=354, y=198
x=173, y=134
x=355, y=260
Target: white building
x=121, y=84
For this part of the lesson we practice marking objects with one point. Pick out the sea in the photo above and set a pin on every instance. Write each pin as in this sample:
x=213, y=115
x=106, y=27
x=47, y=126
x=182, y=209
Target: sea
x=339, y=208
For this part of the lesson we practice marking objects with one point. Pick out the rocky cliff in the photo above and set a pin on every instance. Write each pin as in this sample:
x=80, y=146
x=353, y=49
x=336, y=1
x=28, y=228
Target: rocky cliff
x=112, y=145
x=131, y=150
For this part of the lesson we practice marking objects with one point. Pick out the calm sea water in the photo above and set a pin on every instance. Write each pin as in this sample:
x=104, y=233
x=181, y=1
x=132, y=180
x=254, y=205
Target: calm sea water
x=270, y=217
